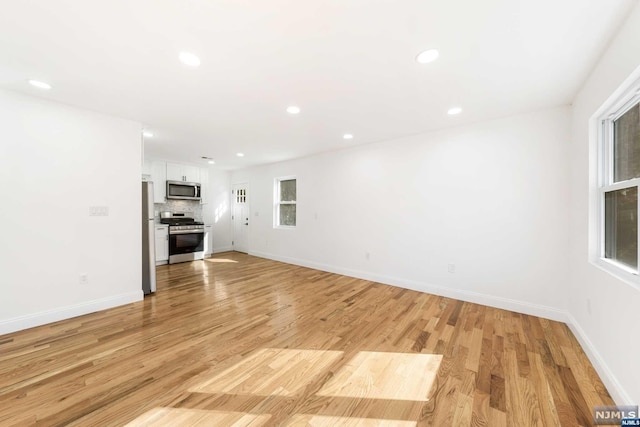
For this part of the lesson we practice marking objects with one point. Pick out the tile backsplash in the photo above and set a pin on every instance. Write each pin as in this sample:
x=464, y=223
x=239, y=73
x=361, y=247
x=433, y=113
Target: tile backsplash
x=191, y=208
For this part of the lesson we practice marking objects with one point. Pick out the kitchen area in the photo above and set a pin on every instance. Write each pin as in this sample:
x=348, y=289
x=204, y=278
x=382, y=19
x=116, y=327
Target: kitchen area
x=181, y=206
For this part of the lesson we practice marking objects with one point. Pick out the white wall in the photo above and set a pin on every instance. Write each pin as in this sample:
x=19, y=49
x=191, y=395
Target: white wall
x=55, y=162
x=217, y=211
x=610, y=333
x=491, y=198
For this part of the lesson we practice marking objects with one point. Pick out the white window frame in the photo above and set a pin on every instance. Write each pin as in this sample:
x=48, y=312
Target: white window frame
x=277, y=202
x=619, y=104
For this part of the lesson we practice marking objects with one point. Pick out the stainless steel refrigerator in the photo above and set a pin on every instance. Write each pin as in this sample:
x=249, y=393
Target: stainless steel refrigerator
x=148, y=240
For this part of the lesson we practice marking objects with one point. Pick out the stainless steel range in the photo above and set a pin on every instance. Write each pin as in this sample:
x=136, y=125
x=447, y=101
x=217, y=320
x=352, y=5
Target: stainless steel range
x=186, y=239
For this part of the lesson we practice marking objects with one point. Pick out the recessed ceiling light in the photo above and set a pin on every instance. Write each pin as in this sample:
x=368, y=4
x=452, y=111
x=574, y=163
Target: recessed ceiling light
x=40, y=85
x=293, y=109
x=147, y=134
x=211, y=162
x=189, y=59
x=454, y=110
x=347, y=136
x=427, y=56
x=240, y=154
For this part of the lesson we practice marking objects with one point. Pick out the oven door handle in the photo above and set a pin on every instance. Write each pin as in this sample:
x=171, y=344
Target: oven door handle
x=187, y=232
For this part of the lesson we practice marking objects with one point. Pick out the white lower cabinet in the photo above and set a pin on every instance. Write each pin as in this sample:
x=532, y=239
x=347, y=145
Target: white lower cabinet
x=162, y=244
x=208, y=240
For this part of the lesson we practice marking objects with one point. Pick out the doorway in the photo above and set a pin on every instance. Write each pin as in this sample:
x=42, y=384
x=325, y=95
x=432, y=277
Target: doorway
x=240, y=217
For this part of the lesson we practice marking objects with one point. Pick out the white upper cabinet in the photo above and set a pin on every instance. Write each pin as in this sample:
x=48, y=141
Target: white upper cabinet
x=192, y=173
x=180, y=172
x=146, y=170
x=159, y=178
x=175, y=172
x=161, y=172
x=204, y=186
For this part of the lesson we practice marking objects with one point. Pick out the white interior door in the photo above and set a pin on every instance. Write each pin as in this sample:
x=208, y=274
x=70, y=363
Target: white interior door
x=240, y=217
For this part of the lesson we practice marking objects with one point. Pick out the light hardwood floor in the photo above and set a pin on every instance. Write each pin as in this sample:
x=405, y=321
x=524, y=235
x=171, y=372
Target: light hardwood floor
x=238, y=340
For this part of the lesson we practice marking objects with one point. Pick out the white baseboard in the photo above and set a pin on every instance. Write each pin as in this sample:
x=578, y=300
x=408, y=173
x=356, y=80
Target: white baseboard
x=54, y=315
x=222, y=249
x=474, y=297
x=616, y=391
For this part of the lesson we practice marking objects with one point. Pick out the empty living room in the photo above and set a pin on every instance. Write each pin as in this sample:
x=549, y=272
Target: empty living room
x=312, y=213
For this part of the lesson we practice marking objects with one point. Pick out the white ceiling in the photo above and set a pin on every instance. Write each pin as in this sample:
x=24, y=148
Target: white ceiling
x=348, y=64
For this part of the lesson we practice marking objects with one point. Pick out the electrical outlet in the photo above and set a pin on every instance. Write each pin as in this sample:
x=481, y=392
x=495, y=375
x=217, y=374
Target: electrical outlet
x=451, y=268
x=84, y=279
x=367, y=255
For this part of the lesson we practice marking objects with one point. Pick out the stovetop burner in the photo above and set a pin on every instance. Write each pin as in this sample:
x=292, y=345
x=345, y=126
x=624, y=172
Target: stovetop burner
x=180, y=221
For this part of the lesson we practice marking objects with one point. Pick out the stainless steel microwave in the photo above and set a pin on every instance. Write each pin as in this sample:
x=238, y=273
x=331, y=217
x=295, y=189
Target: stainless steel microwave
x=183, y=190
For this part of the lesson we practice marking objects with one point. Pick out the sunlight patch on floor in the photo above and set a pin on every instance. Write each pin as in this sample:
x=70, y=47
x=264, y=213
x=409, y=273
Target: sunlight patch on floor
x=225, y=260
x=378, y=375
x=271, y=372
x=175, y=417
x=327, y=421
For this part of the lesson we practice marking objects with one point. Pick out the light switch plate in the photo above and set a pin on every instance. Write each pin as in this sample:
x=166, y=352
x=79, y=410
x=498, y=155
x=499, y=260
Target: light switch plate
x=98, y=210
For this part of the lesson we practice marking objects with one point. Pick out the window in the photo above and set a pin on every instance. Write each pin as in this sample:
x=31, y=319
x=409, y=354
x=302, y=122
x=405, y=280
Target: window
x=619, y=181
x=285, y=202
